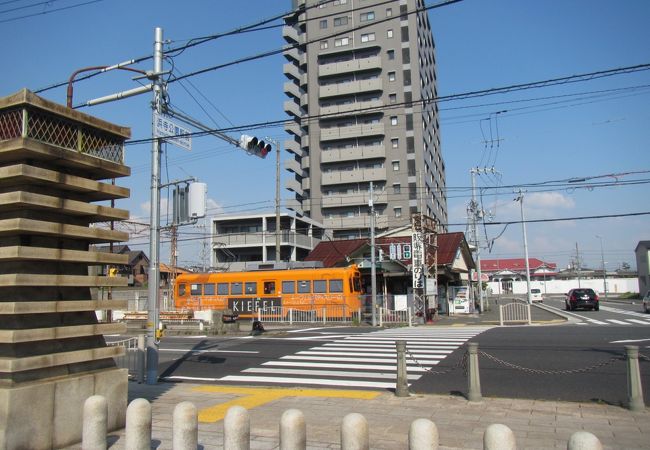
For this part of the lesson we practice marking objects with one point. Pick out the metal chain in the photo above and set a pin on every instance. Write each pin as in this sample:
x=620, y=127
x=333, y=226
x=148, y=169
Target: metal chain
x=642, y=356
x=462, y=362
x=552, y=372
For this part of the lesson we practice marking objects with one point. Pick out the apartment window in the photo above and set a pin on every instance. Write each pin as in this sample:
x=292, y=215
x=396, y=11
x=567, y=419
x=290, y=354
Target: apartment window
x=391, y=76
x=392, y=98
x=393, y=120
x=390, y=54
x=389, y=12
x=407, y=77
x=340, y=2
x=341, y=42
x=323, y=24
x=367, y=37
x=322, y=5
x=397, y=188
x=389, y=34
x=365, y=17
x=394, y=143
x=405, y=34
x=395, y=166
x=340, y=21
x=323, y=45
x=398, y=211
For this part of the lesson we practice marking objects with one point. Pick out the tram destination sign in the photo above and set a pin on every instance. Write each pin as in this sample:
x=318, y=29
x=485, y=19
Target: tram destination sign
x=250, y=305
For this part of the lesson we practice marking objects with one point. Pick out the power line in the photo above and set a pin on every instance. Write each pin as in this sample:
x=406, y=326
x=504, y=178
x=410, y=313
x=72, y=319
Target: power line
x=50, y=11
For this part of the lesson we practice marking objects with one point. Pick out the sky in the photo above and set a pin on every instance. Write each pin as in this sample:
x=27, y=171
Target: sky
x=595, y=133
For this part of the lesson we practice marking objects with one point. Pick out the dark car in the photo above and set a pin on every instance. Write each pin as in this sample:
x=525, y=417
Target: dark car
x=581, y=298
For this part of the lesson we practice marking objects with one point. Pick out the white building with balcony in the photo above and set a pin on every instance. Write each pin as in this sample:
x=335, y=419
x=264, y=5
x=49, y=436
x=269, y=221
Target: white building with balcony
x=239, y=242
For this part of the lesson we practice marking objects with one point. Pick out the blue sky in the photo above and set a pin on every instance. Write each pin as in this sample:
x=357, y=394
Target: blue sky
x=547, y=134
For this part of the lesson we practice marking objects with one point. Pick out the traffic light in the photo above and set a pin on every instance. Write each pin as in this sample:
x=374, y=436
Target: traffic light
x=254, y=146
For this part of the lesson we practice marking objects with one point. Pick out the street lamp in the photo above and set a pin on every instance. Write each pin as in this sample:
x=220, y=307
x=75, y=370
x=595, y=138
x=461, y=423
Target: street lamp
x=602, y=260
x=520, y=199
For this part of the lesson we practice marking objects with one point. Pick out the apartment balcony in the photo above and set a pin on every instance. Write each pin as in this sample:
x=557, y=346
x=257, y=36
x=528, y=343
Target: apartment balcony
x=290, y=34
x=363, y=130
x=306, y=184
x=293, y=147
x=292, y=108
x=353, y=176
x=293, y=90
x=352, y=108
x=350, y=88
x=353, y=154
x=374, y=62
x=294, y=205
x=294, y=185
x=293, y=71
x=361, y=198
x=292, y=53
x=294, y=166
x=304, y=142
x=305, y=162
x=293, y=128
x=338, y=223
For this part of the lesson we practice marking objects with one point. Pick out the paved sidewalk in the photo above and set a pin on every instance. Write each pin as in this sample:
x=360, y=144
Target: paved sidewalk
x=536, y=424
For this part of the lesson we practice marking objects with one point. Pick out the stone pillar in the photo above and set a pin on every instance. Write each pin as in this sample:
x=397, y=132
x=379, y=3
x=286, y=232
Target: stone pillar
x=52, y=348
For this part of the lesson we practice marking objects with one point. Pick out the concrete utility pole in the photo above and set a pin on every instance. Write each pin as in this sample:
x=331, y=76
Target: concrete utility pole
x=520, y=199
x=602, y=260
x=278, y=234
x=154, y=249
x=373, y=269
x=476, y=214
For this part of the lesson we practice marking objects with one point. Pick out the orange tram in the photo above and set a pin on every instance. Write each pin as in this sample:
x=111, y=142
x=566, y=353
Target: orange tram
x=335, y=291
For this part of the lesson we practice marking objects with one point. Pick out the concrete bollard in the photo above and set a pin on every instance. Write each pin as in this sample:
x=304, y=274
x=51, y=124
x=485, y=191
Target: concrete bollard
x=401, y=386
x=583, y=440
x=185, y=427
x=293, y=430
x=634, y=387
x=423, y=435
x=499, y=437
x=138, y=425
x=95, y=420
x=237, y=429
x=354, y=433
x=473, y=377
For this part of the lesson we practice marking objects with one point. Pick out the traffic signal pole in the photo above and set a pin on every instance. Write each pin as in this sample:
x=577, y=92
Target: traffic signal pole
x=154, y=223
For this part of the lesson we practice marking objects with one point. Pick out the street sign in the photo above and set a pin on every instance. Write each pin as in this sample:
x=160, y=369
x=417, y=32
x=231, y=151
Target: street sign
x=166, y=128
x=417, y=246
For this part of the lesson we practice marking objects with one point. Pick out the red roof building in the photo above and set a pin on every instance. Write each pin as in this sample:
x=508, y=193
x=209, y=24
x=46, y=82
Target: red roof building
x=514, y=268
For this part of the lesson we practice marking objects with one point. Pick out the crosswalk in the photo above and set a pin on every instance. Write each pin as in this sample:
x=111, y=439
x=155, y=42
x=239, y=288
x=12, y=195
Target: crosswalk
x=636, y=318
x=366, y=360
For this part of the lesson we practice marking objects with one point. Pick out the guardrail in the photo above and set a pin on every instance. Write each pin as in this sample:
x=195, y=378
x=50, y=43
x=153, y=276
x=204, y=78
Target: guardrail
x=133, y=358
x=514, y=312
x=325, y=314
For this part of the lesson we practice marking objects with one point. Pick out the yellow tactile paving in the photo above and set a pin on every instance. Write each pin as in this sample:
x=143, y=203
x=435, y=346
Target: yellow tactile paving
x=253, y=397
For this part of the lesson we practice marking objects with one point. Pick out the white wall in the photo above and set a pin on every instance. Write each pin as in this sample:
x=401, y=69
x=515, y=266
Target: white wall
x=614, y=286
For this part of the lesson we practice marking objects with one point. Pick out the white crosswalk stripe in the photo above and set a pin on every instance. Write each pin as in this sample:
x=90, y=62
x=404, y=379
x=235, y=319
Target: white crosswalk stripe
x=362, y=360
x=614, y=322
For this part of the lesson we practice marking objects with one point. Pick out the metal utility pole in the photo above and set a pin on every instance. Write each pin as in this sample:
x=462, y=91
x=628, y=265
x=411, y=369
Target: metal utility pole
x=278, y=234
x=154, y=249
x=373, y=270
x=602, y=260
x=520, y=199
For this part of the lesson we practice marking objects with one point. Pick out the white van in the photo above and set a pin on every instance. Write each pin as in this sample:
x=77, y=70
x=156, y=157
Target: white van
x=536, y=295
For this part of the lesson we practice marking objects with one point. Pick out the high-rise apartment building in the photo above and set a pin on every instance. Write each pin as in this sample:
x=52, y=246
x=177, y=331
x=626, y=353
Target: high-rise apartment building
x=361, y=87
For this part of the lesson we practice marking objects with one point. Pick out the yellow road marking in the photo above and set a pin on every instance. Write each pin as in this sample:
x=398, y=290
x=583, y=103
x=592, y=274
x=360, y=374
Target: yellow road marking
x=253, y=397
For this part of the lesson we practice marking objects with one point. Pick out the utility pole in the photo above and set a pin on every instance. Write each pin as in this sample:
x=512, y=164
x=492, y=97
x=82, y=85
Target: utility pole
x=476, y=214
x=520, y=198
x=602, y=260
x=578, y=268
x=373, y=270
x=278, y=234
x=154, y=249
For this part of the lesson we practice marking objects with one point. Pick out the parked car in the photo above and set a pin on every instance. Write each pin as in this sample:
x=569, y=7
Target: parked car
x=646, y=302
x=581, y=298
x=536, y=295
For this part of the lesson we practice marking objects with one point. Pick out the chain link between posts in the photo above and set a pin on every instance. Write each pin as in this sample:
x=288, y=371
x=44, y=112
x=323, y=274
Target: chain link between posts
x=462, y=362
x=611, y=360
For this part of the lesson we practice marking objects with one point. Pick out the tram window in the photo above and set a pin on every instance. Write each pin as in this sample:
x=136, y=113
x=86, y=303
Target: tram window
x=251, y=287
x=356, y=284
x=320, y=286
x=304, y=286
x=222, y=288
x=182, y=289
x=208, y=289
x=236, y=288
x=269, y=287
x=336, y=285
x=195, y=289
x=288, y=287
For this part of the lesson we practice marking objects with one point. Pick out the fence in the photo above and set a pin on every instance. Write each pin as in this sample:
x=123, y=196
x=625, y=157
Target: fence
x=134, y=356
x=354, y=432
x=395, y=316
x=325, y=314
x=516, y=312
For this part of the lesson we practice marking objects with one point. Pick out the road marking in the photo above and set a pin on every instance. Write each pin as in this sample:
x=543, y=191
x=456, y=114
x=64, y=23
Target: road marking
x=629, y=340
x=618, y=322
x=180, y=350
x=315, y=381
x=328, y=373
x=254, y=397
x=643, y=322
x=417, y=354
x=367, y=360
x=392, y=367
